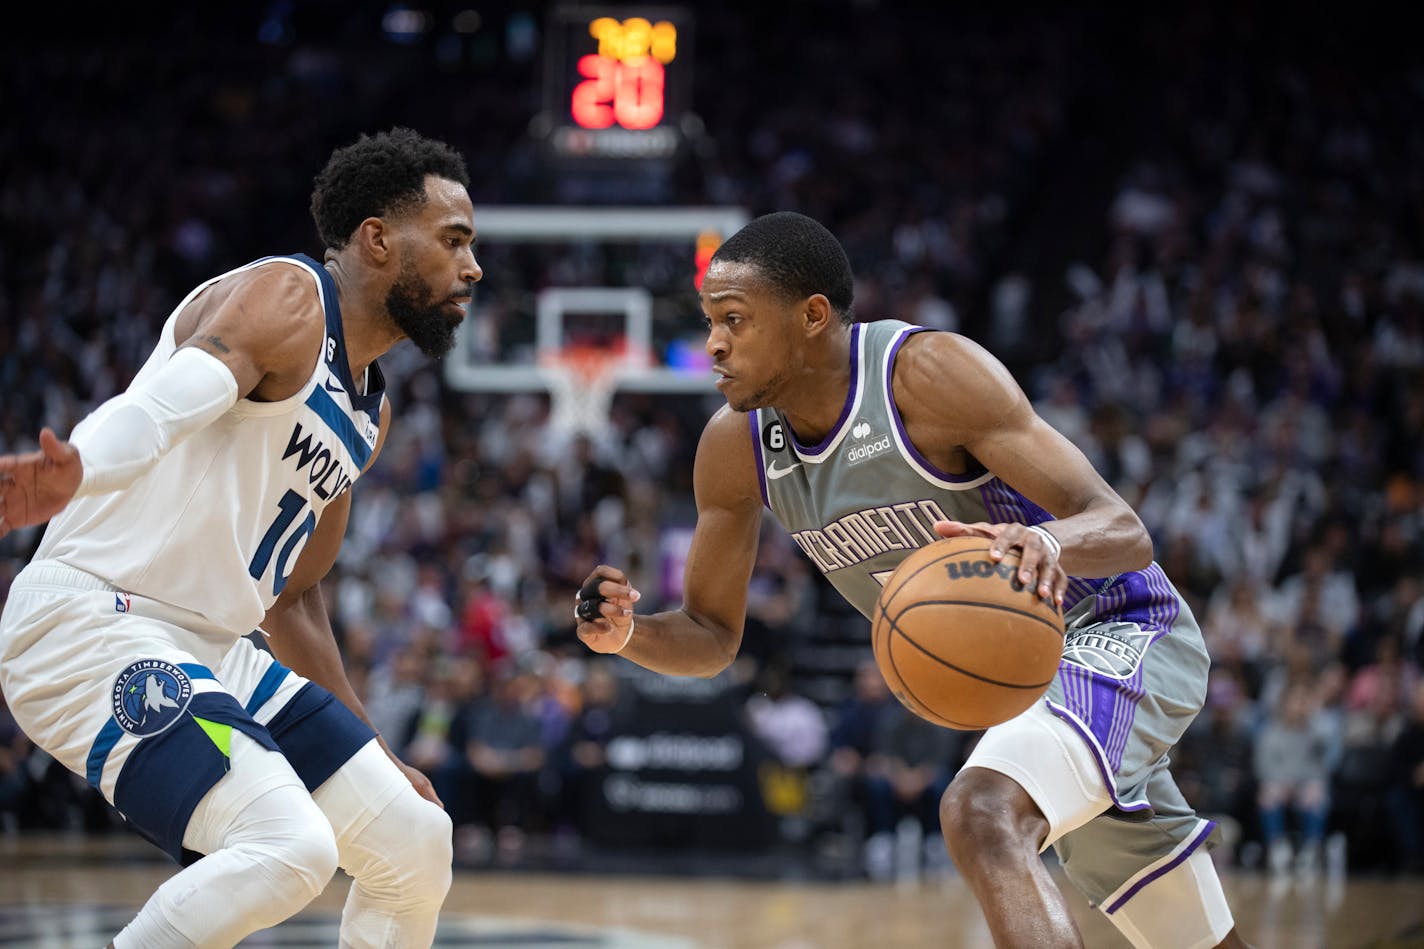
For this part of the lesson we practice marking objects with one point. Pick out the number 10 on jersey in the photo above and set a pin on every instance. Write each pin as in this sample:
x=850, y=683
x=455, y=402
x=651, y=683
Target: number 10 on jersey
x=291, y=505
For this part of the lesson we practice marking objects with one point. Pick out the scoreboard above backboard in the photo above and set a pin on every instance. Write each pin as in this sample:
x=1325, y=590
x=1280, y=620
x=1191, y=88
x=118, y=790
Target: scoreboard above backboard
x=618, y=80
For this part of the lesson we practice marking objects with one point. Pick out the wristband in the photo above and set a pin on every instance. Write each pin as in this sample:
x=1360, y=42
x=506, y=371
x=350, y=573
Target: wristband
x=627, y=639
x=1052, y=541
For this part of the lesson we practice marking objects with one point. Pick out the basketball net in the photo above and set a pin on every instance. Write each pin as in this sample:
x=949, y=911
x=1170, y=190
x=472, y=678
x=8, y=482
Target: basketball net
x=582, y=379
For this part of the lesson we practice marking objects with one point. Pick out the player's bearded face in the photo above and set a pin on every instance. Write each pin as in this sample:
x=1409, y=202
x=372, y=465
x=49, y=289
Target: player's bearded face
x=422, y=313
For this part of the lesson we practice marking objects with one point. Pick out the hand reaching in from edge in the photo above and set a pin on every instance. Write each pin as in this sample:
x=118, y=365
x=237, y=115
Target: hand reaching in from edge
x=37, y=485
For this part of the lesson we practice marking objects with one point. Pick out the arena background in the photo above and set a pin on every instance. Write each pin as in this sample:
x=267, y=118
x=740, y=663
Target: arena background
x=1195, y=237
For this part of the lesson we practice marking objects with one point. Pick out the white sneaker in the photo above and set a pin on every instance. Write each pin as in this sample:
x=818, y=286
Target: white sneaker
x=908, y=838
x=1336, y=856
x=880, y=856
x=936, y=858
x=1307, y=861
x=1279, y=857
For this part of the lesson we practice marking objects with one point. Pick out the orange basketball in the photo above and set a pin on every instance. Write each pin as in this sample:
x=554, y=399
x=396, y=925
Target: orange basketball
x=958, y=638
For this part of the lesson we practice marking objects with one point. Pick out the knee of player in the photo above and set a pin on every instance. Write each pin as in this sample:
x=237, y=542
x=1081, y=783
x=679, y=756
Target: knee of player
x=408, y=852
x=309, y=856
x=982, y=812
x=435, y=833
x=289, y=841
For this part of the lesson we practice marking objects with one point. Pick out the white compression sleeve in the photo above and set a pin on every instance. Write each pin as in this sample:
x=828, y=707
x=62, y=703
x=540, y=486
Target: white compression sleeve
x=193, y=390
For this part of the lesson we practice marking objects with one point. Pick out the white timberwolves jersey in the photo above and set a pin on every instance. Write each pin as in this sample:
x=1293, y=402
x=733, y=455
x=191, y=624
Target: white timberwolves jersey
x=218, y=523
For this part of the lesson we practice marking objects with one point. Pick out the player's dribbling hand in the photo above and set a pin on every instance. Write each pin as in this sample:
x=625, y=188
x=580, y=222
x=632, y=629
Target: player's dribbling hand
x=603, y=609
x=961, y=529
x=37, y=485
x=1038, y=557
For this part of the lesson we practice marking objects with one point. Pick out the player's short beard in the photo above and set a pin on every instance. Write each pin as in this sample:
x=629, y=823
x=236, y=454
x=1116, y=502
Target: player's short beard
x=419, y=314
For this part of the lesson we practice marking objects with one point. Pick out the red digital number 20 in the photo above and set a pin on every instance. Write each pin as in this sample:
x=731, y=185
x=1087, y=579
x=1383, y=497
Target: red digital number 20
x=631, y=96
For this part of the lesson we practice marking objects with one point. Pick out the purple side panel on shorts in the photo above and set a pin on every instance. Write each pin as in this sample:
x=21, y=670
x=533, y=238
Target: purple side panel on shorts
x=1201, y=835
x=1107, y=773
x=1104, y=713
x=1108, y=705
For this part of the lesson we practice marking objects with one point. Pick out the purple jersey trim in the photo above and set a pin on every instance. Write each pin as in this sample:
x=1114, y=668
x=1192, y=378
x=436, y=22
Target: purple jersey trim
x=855, y=375
x=753, y=417
x=1196, y=841
x=1103, y=769
x=976, y=472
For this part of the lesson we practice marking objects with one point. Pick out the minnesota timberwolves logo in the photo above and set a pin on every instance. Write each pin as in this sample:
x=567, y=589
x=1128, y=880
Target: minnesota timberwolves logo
x=150, y=695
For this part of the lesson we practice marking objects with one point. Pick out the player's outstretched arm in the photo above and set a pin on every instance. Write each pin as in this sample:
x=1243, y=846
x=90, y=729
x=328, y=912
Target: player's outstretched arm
x=36, y=485
x=242, y=333
x=701, y=638
x=1095, y=534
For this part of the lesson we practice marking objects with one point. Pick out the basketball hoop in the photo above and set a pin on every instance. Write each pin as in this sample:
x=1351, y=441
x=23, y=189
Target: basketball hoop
x=582, y=378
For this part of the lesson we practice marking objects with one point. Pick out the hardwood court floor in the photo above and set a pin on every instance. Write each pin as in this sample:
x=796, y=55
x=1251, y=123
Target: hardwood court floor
x=62, y=893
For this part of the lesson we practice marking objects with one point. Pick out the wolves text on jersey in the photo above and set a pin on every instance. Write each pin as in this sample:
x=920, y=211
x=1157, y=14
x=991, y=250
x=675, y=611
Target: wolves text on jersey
x=327, y=475
x=856, y=537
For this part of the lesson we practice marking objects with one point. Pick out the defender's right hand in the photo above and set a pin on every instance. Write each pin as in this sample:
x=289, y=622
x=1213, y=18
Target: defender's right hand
x=603, y=609
x=37, y=485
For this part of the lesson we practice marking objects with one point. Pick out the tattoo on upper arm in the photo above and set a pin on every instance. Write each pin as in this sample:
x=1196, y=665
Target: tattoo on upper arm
x=211, y=343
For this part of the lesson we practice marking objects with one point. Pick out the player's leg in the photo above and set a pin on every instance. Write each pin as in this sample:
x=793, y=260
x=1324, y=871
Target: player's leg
x=1127, y=689
x=399, y=852
x=269, y=853
x=1152, y=877
x=110, y=695
x=1027, y=783
x=395, y=844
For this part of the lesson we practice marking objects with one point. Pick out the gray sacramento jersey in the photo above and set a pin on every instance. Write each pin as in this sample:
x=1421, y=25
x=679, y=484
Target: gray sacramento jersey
x=862, y=499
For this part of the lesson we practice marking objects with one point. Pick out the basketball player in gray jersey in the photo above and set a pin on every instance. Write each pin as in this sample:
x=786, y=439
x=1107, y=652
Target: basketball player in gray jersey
x=867, y=441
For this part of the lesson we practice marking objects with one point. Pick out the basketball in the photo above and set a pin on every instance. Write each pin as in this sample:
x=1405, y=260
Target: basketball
x=959, y=640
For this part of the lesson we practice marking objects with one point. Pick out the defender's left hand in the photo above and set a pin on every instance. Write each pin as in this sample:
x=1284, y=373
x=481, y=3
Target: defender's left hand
x=419, y=781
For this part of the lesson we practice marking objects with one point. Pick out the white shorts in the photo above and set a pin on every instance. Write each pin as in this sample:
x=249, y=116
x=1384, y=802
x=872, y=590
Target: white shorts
x=141, y=698
x=1052, y=762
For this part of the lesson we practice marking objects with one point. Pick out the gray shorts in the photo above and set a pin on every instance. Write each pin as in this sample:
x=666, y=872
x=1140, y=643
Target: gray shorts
x=1093, y=754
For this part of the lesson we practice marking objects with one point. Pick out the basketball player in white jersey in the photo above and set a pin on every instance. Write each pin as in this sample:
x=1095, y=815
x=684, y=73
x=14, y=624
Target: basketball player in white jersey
x=209, y=500
x=870, y=440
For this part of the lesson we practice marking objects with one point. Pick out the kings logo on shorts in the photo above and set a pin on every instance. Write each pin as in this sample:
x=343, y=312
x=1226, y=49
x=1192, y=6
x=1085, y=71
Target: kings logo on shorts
x=1114, y=649
x=149, y=696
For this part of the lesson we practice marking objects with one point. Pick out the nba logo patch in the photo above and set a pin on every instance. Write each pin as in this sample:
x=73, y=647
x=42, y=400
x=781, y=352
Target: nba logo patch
x=149, y=696
x=121, y=602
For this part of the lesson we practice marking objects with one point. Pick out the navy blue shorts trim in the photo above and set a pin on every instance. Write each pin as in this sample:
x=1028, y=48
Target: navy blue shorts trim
x=166, y=775
x=318, y=734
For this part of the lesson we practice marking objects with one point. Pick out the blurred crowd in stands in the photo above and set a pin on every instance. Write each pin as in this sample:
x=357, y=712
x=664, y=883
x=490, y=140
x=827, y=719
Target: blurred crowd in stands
x=1202, y=255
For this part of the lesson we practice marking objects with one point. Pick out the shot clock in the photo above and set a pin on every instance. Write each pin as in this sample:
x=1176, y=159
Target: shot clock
x=618, y=80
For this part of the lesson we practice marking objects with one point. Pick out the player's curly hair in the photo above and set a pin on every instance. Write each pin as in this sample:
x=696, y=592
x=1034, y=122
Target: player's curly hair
x=798, y=256
x=381, y=175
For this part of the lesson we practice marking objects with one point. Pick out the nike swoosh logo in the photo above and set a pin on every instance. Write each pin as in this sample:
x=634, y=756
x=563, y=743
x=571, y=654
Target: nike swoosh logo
x=774, y=472
x=332, y=386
